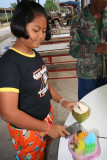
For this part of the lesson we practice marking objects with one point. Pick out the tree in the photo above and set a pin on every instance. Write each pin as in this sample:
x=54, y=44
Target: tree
x=13, y=5
x=50, y=4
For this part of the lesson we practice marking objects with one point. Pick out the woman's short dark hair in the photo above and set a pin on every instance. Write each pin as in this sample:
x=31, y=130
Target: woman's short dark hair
x=24, y=13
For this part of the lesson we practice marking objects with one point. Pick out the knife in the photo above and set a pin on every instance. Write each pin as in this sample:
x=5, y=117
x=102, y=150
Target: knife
x=75, y=127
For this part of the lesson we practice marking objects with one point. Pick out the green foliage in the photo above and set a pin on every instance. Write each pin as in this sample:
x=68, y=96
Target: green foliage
x=13, y=5
x=50, y=4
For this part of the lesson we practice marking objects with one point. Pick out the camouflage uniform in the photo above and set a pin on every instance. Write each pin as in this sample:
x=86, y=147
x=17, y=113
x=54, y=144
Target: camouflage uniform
x=84, y=37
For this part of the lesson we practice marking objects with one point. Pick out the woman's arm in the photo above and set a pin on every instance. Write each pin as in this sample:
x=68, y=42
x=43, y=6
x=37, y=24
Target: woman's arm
x=10, y=113
x=57, y=98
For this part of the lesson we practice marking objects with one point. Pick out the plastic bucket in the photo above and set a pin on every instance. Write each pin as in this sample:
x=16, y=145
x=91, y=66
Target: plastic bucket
x=91, y=156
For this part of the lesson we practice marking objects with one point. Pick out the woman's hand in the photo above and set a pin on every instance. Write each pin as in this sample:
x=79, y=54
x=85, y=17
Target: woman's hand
x=68, y=105
x=56, y=131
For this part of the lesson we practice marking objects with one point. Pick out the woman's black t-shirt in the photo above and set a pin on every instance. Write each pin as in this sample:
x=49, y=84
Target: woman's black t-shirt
x=26, y=75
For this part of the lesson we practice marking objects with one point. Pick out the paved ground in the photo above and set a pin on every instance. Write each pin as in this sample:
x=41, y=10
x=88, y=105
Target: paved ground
x=5, y=32
x=67, y=88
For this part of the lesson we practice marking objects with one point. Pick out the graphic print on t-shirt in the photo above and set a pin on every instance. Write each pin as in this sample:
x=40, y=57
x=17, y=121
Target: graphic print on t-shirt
x=43, y=75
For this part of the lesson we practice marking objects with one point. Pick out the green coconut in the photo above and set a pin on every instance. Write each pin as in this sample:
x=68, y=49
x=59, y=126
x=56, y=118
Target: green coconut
x=81, y=112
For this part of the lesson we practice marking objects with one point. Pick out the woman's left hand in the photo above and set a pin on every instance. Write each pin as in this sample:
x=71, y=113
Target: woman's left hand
x=68, y=105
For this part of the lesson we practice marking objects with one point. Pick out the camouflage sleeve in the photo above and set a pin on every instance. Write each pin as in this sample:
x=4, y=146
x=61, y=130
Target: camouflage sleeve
x=79, y=48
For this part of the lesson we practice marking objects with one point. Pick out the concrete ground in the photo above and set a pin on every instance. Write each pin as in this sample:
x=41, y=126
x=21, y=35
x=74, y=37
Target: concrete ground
x=5, y=32
x=67, y=88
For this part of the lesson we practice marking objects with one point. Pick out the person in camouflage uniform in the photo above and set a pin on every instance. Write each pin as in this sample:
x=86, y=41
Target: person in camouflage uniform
x=88, y=43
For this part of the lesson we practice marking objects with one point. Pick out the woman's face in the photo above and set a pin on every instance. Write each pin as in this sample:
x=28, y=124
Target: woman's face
x=36, y=30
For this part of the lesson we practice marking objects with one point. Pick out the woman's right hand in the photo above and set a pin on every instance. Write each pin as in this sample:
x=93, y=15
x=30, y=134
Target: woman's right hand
x=56, y=131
